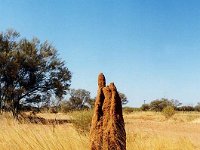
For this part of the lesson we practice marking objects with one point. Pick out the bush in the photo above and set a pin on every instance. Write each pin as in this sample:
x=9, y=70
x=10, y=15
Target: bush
x=130, y=109
x=82, y=120
x=197, y=107
x=186, y=108
x=160, y=104
x=65, y=108
x=145, y=107
x=168, y=111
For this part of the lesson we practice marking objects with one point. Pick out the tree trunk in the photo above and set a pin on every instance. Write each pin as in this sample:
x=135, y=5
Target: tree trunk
x=1, y=105
x=15, y=109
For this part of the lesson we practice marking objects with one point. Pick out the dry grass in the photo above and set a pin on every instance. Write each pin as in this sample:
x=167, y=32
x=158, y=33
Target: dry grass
x=145, y=131
x=14, y=136
x=151, y=130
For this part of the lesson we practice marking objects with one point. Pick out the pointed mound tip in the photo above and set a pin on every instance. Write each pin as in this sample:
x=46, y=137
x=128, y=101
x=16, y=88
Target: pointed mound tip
x=101, y=80
x=112, y=86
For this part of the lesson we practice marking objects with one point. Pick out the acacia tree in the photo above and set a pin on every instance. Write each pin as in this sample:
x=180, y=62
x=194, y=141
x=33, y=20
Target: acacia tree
x=79, y=98
x=160, y=104
x=30, y=71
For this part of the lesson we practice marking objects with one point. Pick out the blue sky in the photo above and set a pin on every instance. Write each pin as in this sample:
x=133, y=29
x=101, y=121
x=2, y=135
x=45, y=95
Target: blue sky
x=149, y=48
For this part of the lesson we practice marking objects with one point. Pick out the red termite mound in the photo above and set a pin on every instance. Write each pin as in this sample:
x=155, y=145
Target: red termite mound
x=107, y=130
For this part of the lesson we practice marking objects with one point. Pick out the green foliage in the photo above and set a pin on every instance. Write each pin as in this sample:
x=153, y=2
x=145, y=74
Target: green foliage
x=185, y=108
x=78, y=100
x=175, y=103
x=145, y=107
x=82, y=120
x=168, y=111
x=65, y=107
x=159, y=105
x=30, y=71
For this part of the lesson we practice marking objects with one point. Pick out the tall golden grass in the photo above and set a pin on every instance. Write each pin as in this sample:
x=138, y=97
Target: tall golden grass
x=15, y=136
x=145, y=131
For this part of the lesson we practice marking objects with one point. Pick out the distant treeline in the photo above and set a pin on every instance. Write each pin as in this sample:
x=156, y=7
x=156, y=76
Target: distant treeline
x=159, y=104
x=75, y=104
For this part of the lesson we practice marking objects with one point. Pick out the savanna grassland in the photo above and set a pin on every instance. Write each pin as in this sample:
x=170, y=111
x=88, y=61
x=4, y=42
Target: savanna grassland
x=145, y=131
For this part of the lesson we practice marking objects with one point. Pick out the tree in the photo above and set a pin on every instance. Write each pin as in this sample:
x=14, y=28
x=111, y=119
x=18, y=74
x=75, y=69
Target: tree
x=123, y=98
x=186, y=108
x=78, y=99
x=197, y=107
x=159, y=104
x=145, y=107
x=91, y=102
x=30, y=71
x=175, y=103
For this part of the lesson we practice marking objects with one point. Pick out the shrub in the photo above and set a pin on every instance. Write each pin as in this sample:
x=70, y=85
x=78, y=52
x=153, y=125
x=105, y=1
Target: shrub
x=82, y=120
x=197, y=107
x=160, y=104
x=145, y=107
x=130, y=109
x=168, y=111
x=186, y=108
x=65, y=108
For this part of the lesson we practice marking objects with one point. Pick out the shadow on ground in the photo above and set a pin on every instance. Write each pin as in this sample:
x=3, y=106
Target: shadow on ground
x=32, y=118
